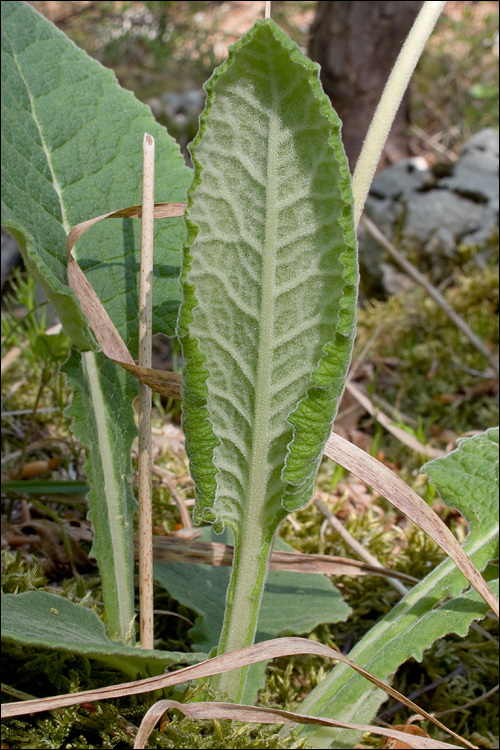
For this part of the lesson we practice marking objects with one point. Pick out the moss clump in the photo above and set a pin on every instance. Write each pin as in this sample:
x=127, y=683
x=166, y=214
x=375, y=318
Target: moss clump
x=437, y=375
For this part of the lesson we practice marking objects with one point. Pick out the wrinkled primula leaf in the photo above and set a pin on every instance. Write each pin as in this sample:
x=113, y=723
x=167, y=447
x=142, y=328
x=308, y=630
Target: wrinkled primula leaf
x=72, y=150
x=64, y=625
x=268, y=314
x=270, y=278
x=467, y=479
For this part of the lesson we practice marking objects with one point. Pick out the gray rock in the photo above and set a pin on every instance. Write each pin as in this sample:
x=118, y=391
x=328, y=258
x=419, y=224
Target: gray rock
x=433, y=218
x=439, y=213
x=475, y=173
x=408, y=176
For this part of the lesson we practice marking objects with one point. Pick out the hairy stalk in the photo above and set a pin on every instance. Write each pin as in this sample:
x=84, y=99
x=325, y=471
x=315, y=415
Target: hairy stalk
x=393, y=93
x=243, y=600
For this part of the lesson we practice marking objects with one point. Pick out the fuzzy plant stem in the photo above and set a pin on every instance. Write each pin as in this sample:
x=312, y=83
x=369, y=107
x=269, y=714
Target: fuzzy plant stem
x=145, y=343
x=251, y=555
x=390, y=100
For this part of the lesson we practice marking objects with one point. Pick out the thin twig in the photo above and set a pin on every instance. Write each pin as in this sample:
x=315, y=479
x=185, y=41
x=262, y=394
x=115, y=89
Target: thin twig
x=268, y=9
x=387, y=715
x=145, y=349
x=355, y=545
x=438, y=298
x=433, y=142
x=474, y=702
x=398, y=432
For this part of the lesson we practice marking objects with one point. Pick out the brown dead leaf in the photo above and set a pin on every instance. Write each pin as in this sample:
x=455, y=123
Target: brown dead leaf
x=35, y=468
x=399, y=744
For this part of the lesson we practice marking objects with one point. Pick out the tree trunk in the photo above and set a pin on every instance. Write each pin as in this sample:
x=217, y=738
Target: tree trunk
x=356, y=44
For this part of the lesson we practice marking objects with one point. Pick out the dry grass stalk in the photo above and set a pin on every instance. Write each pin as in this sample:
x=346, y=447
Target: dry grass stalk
x=145, y=403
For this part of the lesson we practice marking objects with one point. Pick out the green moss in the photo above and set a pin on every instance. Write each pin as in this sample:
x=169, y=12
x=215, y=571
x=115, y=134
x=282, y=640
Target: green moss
x=18, y=576
x=436, y=375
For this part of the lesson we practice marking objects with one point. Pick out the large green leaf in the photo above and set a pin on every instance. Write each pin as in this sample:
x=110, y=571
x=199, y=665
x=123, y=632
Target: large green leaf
x=467, y=479
x=71, y=150
x=64, y=625
x=268, y=316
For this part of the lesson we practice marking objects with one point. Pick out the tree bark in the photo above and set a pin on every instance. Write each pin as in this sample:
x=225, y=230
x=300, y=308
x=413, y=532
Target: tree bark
x=356, y=44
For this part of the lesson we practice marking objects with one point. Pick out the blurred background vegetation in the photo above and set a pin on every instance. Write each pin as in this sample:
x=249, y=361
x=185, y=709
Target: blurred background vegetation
x=165, y=51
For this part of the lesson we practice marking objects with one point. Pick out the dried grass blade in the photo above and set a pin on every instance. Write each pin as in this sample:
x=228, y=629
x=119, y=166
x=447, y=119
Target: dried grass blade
x=390, y=486
x=202, y=711
x=174, y=549
x=101, y=324
x=219, y=664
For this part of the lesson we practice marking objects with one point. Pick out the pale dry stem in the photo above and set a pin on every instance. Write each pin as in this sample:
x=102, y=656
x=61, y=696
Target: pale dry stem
x=145, y=345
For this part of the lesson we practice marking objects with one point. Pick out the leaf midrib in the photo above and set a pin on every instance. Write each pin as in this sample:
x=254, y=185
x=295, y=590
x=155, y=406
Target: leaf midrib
x=259, y=466
x=115, y=522
x=55, y=182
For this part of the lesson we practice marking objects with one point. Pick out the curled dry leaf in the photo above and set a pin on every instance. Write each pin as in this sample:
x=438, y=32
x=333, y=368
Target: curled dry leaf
x=390, y=486
x=202, y=711
x=219, y=664
x=166, y=383
x=101, y=324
